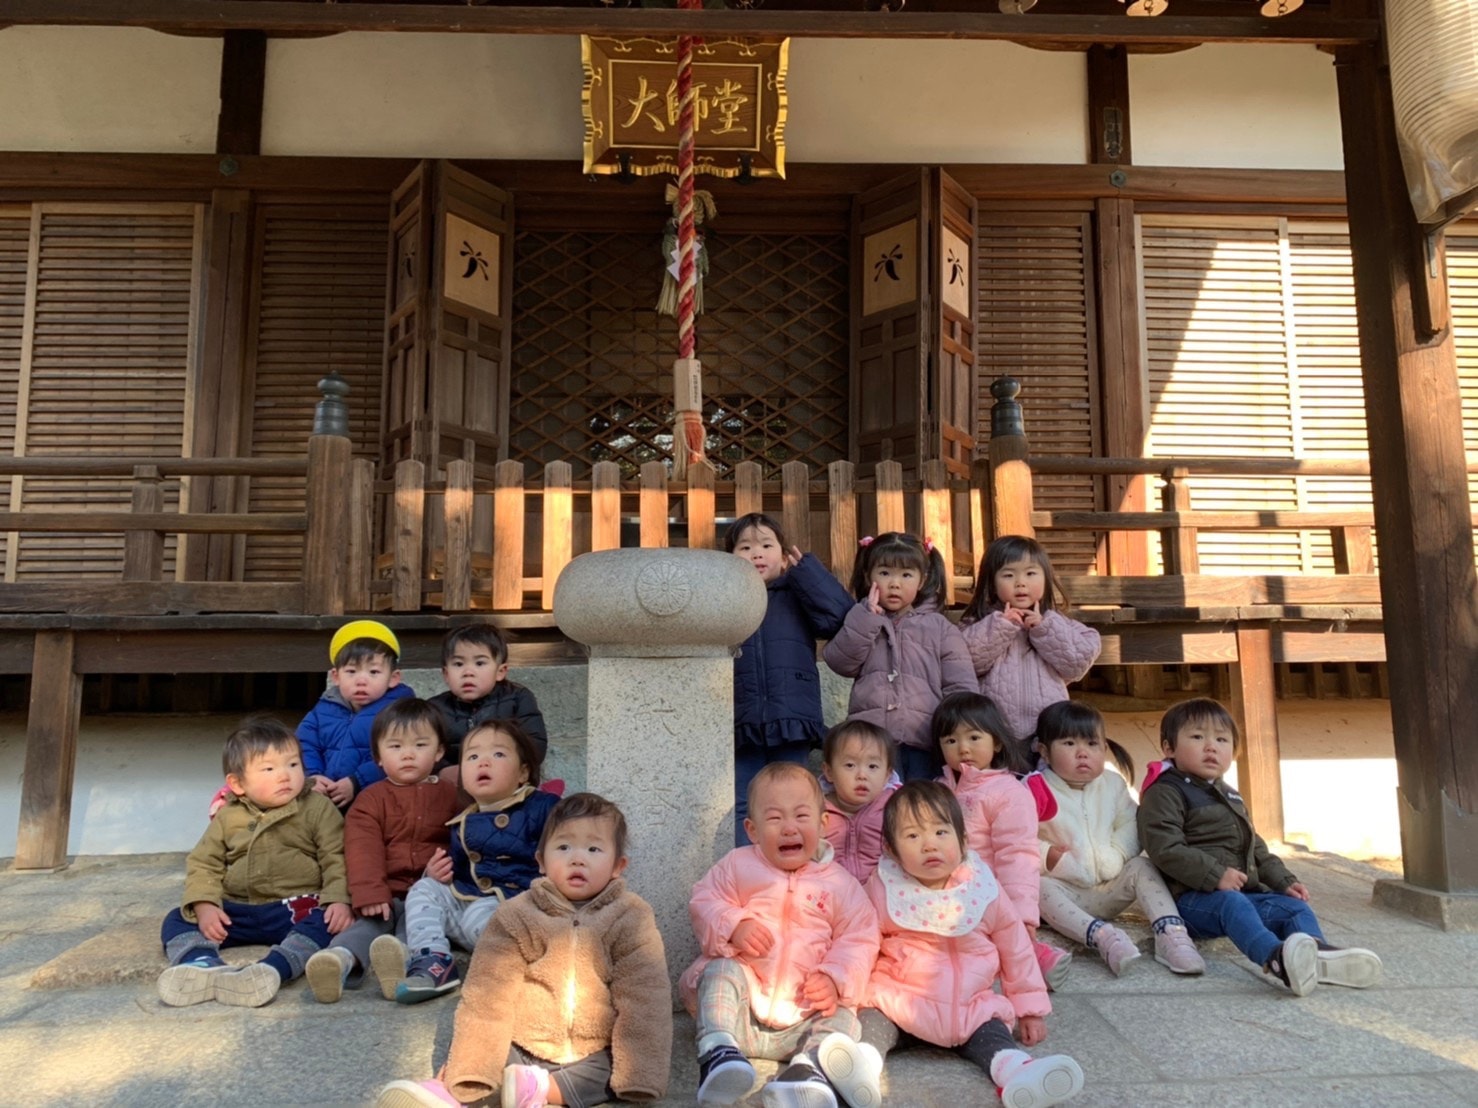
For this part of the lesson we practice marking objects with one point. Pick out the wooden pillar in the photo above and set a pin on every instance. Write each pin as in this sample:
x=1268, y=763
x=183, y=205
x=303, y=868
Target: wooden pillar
x=51, y=754
x=1420, y=489
x=1010, y=473
x=243, y=88
x=1255, y=708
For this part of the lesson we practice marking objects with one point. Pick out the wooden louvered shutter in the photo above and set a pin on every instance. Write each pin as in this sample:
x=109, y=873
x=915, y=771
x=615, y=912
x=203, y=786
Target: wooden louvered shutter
x=107, y=356
x=952, y=346
x=15, y=240
x=1462, y=292
x=1218, y=360
x=1035, y=323
x=318, y=305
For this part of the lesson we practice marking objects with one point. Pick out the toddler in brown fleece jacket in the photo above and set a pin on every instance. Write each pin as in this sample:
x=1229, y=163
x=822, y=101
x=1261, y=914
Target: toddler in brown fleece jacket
x=568, y=984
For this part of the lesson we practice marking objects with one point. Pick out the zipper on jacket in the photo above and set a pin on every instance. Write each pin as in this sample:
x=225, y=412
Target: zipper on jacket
x=570, y=998
x=782, y=962
x=954, y=986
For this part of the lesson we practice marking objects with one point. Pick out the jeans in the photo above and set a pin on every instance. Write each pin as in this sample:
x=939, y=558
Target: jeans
x=1256, y=922
x=748, y=761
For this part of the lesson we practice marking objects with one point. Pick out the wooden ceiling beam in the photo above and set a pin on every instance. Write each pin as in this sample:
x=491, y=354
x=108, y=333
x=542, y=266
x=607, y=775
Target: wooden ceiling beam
x=302, y=17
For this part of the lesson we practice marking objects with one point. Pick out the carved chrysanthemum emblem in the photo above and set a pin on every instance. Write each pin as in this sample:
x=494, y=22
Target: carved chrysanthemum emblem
x=663, y=588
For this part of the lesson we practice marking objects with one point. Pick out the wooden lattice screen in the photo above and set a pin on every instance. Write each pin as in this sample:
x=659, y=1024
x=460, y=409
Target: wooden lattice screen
x=592, y=359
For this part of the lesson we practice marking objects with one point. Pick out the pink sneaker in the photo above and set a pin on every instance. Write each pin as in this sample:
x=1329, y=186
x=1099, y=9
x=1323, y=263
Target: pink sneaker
x=1053, y=963
x=525, y=1087
x=416, y=1094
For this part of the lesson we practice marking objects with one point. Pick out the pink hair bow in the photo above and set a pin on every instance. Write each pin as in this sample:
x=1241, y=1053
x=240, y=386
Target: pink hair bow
x=928, y=545
x=865, y=540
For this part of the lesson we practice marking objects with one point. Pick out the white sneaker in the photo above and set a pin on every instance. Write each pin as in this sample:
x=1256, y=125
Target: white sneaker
x=1354, y=968
x=389, y=957
x=326, y=971
x=190, y=983
x=1296, y=963
x=1042, y=1081
x=853, y=1069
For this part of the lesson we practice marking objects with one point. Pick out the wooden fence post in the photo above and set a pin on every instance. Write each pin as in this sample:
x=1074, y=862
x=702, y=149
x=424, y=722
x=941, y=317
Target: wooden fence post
x=508, y=526
x=558, y=514
x=360, y=564
x=935, y=521
x=841, y=482
x=889, y=480
x=456, y=510
x=749, y=494
x=51, y=754
x=1178, y=543
x=408, y=521
x=795, y=503
x=1010, y=473
x=1255, y=707
x=1352, y=550
x=143, y=551
x=605, y=506
x=654, y=506
x=701, y=479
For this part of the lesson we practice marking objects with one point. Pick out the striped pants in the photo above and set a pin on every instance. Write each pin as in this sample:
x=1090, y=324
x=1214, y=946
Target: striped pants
x=435, y=917
x=725, y=1018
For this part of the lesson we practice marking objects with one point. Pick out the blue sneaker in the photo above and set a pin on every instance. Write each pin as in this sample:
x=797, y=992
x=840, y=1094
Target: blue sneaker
x=429, y=975
x=724, y=1077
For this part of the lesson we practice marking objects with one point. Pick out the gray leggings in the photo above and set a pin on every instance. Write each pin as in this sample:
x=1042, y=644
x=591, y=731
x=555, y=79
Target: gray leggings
x=987, y=1040
x=356, y=938
x=581, y=1084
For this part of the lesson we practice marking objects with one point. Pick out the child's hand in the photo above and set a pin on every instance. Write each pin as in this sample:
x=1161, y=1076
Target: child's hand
x=753, y=938
x=820, y=993
x=341, y=791
x=1032, y=616
x=1031, y=1030
x=439, y=868
x=1013, y=615
x=1297, y=891
x=874, y=598
x=380, y=910
x=793, y=557
x=211, y=920
x=321, y=784
x=336, y=917
x=1231, y=881
x=1054, y=855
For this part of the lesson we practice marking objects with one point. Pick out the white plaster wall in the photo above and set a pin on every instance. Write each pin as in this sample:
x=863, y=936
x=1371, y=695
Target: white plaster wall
x=108, y=89
x=1252, y=106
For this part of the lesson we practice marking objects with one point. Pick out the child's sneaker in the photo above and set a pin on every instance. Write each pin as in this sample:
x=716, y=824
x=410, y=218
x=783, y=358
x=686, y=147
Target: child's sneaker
x=1296, y=963
x=1354, y=968
x=1174, y=948
x=326, y=971
x=724, y=1077
x=430, y=974
x=249, y=986
x=388, y=957
x=416, y=1094
x=192, y=982
x=1118, y=949
x=1053, y=963
x=798, y=1085
x=1038, y=1082
x=853, y=1069
x=525, y=1087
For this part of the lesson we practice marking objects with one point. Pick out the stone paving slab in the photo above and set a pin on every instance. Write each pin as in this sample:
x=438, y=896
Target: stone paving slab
x=80, y=1020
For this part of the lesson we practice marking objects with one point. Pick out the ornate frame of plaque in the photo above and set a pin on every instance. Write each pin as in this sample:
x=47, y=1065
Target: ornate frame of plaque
x=629, y=103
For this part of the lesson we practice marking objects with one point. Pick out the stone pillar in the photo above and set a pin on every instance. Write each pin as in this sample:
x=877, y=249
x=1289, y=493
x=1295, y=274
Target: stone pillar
x=661, y=626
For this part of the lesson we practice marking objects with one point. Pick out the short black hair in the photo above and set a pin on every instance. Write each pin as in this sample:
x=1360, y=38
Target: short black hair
x=1072, y=719
x=749, y=522
x=920, y=798
x=365, y=650
x=980, y=712
x=585, y=806
x=474, y=634
x=254, y=736
x=1202, y=710
x=528, y=750
x=861, y=730
x=408, y=712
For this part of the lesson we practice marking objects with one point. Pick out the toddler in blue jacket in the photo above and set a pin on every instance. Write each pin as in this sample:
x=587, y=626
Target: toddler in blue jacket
x=338, y=756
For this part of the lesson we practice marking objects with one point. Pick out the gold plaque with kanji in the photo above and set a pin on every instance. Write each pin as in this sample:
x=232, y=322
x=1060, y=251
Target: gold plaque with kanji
x=632, y=115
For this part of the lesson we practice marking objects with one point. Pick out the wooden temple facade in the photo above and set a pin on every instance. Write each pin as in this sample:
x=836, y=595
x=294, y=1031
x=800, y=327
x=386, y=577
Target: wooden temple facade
x=1200, y=358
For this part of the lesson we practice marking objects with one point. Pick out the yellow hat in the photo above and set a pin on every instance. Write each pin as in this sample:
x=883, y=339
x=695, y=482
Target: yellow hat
x=362, y=629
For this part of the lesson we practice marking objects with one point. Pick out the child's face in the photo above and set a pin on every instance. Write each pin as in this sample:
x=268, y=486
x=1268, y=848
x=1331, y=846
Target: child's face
x=785, y=823
x=491, y=767
x=898, y=586
x=968, y=745
x=472, y=671
x=928, y=848
x=580, y=858
x=760, y=548
x=858, y=770
x=1020, y=584
x=1204, y=749
x=272, y=779
x=1077, y=759
x=364, y=682
x=408, y=754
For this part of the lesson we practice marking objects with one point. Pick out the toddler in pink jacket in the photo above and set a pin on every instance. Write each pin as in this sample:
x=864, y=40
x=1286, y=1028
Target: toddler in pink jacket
x=1024, y=650
x=857, y=769
x=982, y=762
x=788, y=940
x=948, y=933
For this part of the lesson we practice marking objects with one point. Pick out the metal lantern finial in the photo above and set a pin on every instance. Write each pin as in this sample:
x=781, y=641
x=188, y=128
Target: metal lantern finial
x=1146, y=7
x=1274, y=8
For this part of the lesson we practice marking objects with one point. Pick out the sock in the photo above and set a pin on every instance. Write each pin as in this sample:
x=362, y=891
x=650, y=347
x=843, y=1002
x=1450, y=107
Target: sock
x=715, y=1039
x=1093, y=929
x=1160, y=925
x=1005, y=1064
x=280, y=964
x=206, y=955
x=804, y=1059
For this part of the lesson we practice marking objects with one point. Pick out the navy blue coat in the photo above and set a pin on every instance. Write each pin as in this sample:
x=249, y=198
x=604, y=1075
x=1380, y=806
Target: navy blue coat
x=488, y=859
x=777, y=692
x=335, y=739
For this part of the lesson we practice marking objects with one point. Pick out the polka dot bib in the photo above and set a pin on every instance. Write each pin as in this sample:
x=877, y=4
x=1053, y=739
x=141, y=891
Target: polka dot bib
x=954, y=910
